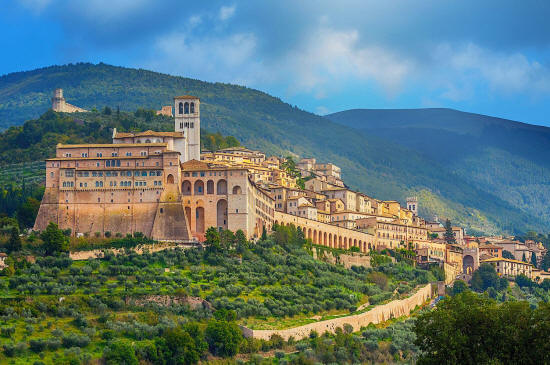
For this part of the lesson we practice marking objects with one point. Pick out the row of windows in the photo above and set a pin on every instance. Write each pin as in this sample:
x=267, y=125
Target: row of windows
x=187, y=125
x=68, y=184
x=70, y=173
x=186, y=108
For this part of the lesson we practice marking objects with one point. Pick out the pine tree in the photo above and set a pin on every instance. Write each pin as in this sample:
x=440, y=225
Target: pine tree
x=523, y=258
x=264, y=234
x=534, y=259
x=449, y=234
x=14, y=243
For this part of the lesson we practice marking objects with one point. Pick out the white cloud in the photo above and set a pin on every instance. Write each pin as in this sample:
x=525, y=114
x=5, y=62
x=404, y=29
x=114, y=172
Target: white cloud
x=226, y=12
x=331, y=57
x=504, y=74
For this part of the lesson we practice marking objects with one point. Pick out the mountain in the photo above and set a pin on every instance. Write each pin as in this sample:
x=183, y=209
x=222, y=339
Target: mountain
x=373, y=164
x=506, y=158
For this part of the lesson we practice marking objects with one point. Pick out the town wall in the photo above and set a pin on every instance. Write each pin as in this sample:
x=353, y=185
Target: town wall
x=382, y=313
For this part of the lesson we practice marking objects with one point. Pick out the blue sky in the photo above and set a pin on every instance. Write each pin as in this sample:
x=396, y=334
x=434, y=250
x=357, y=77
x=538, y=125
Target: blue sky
x=489, y=57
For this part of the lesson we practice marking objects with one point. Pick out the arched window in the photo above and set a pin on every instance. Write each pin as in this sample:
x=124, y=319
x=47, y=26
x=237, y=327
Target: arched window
x=180, y=108
x=199, y=187
x=186, y=108
x=221, y=187
x=186, y=187
x=237, y=189
x=170, y=179
x=192, y=108
x=210, y=187
x=147, y=141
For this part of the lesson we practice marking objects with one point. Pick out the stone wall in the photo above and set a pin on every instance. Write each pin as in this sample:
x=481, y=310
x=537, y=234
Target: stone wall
x=92, y=254
x=393, y=309
x=347, y=260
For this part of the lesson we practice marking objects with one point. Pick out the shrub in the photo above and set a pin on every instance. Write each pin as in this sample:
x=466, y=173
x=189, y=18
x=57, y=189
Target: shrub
x=120, y=352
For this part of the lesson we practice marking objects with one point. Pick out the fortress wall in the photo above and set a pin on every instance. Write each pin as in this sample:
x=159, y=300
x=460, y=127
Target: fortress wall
x=393, y=309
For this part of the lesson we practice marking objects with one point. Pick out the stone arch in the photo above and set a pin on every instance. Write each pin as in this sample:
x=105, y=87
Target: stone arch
x=180, y=108
x=237, y=190
x=192, y=107
x=309, y=236
x=468, y=264
x=346, y=243
x=210, y=187
x=276, y=222
x=199, y=187
x=170, y=179
x=355, y=242
x=325, y=242
x=199, y=220
x=340, y=242
x=186, y=108
x=221, y=213
x=315, y=236
x=147, y=140
x=221, y=187
x=186, y=187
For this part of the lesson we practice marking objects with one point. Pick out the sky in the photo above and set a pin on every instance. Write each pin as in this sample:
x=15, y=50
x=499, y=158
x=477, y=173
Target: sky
x=488, y=57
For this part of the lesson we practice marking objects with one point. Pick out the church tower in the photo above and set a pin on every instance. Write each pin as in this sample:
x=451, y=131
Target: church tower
x=412, y=205
x=188, y=121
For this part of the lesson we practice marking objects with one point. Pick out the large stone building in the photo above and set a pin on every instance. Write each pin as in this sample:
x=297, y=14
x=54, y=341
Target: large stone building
x=153, y=183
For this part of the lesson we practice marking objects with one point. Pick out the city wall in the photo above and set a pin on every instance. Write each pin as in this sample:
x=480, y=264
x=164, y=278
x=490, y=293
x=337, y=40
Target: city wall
x=393, y=309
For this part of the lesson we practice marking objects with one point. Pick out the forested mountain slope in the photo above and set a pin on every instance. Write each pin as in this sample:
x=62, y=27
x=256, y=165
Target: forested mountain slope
x=386, y=170
x=506, y=158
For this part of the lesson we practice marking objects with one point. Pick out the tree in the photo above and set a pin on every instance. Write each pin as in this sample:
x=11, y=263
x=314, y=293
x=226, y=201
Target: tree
x=227, y=239
x=213, y=238
x=223, y=337
x=523, y=258
x=120, y=352
x=545, y=263
x=54, y=240
x=178, y=347
x=534, y=259
x=484, y=278
x=459, y=286
x=473, y=329
x=449, y=234
x=26, y=214
x=240, y=240
x=264, y=234
x=508, y=255
x=14, y=243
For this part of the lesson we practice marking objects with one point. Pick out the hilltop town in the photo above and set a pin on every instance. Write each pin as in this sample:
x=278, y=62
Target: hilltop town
x=162, y=185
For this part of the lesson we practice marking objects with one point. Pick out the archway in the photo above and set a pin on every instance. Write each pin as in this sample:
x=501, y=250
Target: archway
x=199, y=220
x=346, y=243
x=237, y=189
x=221, y=188
x=325, y=242
x=309, y=234
x=170, y=179
x=199, y=187
x=315, y=236
x=221, y=213
x=186, y=187
x=210, y=187
x=468, y=264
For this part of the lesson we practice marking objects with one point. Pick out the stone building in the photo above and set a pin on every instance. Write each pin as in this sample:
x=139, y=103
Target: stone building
x=60, y=105
x=153, y=183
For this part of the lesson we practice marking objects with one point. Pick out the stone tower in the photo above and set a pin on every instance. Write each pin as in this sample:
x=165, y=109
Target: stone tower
x=188, y=121
x=58, y=101
x=412, y=204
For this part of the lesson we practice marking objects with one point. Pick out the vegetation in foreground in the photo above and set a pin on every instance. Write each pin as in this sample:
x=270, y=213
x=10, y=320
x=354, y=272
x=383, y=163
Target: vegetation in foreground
x=56, y=310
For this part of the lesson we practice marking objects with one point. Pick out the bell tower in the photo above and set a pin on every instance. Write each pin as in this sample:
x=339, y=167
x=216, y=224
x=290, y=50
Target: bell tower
x=412, y=205
x=187, y=120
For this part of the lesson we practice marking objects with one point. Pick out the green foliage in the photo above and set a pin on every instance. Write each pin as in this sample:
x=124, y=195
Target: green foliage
x=473, y=329
x=484, y=278
x=459, y=286
x=14, y=242
x=120, y=352
x=534, y=260
x=216, y=141
x=223, y=337
x=449, y=234
x=508, y=255
x=182, y=346
x=54, y=241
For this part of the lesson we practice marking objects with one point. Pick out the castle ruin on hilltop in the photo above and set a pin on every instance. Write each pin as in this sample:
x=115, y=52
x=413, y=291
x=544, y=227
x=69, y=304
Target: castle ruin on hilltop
x=60, y=105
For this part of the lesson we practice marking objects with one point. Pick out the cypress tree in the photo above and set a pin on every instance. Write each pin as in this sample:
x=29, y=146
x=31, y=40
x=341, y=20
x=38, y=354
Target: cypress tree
x=534, y=259
x=449, y=234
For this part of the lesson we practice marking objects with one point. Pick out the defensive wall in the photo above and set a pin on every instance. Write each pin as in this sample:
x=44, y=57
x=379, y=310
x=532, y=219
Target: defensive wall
x=327, y=234
x=381, y=313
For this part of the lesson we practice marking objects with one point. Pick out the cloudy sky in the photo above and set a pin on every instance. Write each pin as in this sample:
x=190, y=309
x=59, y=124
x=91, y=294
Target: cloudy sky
x=490, y=57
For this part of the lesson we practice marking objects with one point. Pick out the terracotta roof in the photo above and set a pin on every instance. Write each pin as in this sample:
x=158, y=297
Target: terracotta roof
x=495, y=259
x=194, y=165
x=186, y=97
x=490, y=246
x=149, y=133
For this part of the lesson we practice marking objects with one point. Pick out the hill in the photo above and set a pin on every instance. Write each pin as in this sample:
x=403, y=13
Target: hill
x=508, y=159
x=372, y=164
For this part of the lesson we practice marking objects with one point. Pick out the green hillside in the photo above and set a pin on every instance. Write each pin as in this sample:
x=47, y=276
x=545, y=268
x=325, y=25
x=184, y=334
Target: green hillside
x=508, y=159
x=371, y=164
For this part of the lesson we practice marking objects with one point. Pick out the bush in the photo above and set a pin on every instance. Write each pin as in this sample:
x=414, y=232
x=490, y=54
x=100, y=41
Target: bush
x=120, y=353
x=223, y=338
x=74, y=340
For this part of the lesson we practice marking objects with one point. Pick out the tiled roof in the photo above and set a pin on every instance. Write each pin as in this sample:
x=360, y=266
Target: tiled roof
x=185, y=97
x=149, y=133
